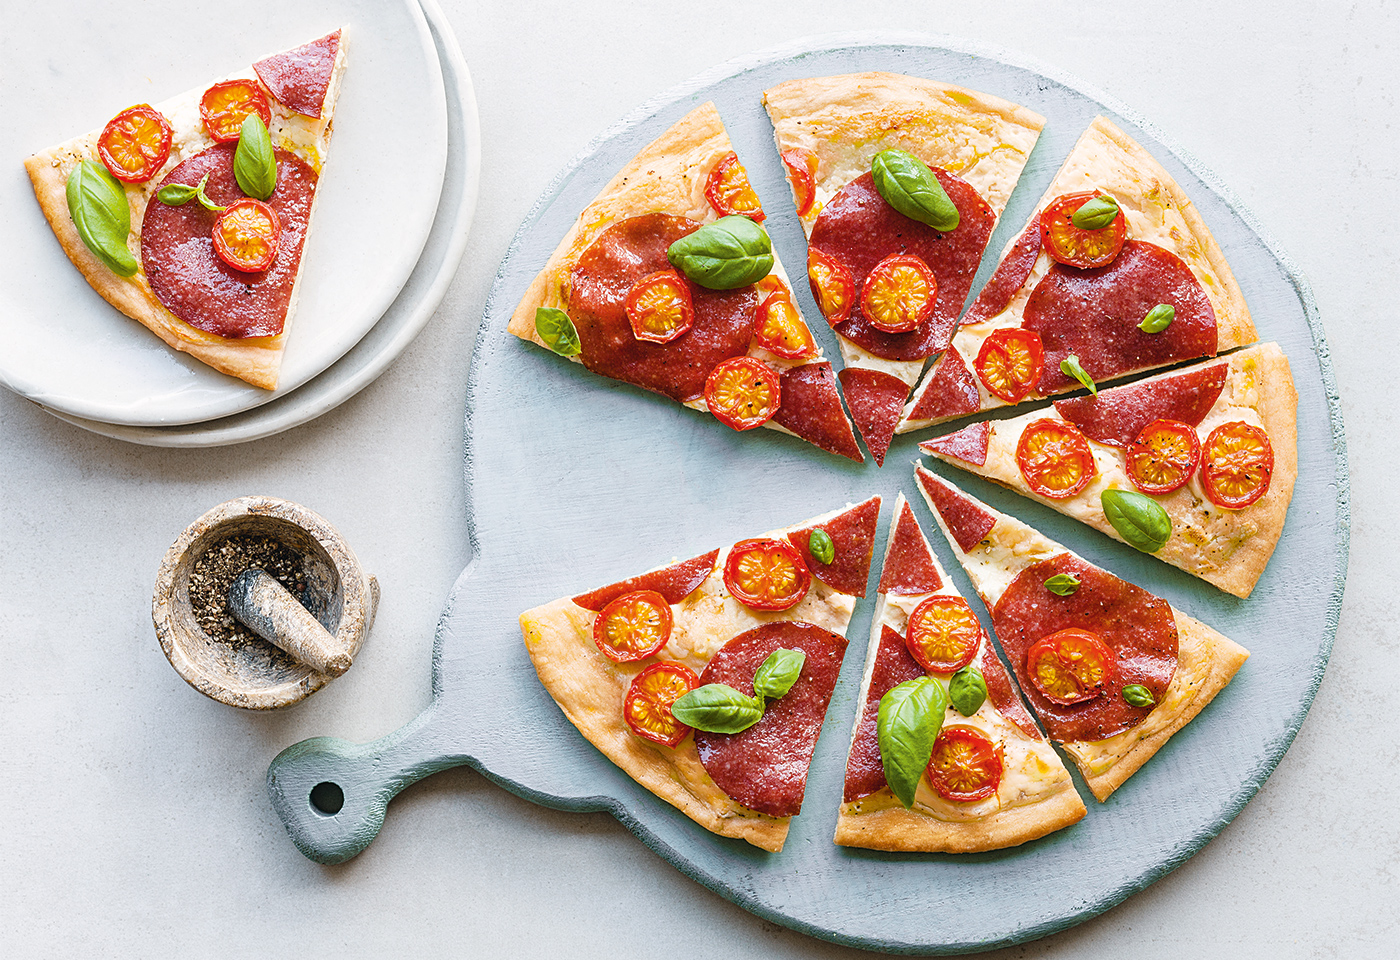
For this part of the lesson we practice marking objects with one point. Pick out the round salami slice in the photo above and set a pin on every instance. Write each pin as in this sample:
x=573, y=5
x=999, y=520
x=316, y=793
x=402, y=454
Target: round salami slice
x=1010, y=276
x=300, y=78
x=865, y=770
x=765, y=767
x=853, y=539
x=674, y=583
x=950, y=392
x=963, y=516
x=1139, y=628
x=1118, y=415
x=811, y=408
x=969, y=443
x=909, y=567
x=860, y=229
x=624, y=253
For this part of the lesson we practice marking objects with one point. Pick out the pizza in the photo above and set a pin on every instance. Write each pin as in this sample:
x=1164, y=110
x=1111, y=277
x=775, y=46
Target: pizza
x=1110, y=670
x=899, y=182
x=990, y=780
x=707, y=680
x=1209, y=454
x=668, y=282
x=1115, y=273
x=213, y=270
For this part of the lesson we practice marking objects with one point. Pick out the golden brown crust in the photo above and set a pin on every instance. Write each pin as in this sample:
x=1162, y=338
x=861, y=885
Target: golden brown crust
x=897, y=829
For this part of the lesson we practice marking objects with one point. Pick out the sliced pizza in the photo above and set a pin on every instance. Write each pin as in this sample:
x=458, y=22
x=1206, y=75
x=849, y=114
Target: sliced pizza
x=745, y=643
x=991, y=780
x=667, y=282
x=190, y=217
x=899, y=182
x=1110, y=670
x=1115, y=273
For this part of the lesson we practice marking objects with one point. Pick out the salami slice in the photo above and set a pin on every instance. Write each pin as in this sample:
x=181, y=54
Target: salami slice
x=811, y=408
x=765, y=767
x=300, y=78
x=1116, y=416
x=876, y=400
x=950, y=392
x=853, y=537
x=909, y=565
x=964, y=517
x=865, y=770
x=1010, y=276
x=1002, y=694
x=675, y=582
x=969, y=443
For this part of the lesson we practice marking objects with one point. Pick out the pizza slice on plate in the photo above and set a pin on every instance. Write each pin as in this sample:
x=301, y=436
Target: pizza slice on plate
x=707, y=681
x=191, y=216
x=667, y=281
x=1110, y=670
x=984, y=779
x=899, y=182
x=1115, y=273
x=1196, y=466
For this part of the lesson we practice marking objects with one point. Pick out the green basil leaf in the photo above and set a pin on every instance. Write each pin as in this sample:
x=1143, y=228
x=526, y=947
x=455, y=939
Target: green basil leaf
x=778, y=673
x=1139, y=696
x=1139, y=519
x=1096, y=214
x=176, y=194
x=97, y=204
x=557, y=331
x=717, y=708
x=906, y=725
x=822, y=547
x=1062, y=584
x=1070, y=367
x=203, y=197
x=1158, y=318
x=254, y=163
x=729, y=253
x=908, y=185
x=967, y=691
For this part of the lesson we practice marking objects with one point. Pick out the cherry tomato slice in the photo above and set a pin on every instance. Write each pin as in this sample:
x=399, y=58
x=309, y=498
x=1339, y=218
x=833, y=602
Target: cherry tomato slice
x=743, y=393
x=1055, y=459
x=1163, y=456
x=801, y=164
x=1071, y=666
x=833, y=287
x=899, y=294
x=647, y=705
x=766, y=574
x=778, y=327
x=943, y=634
x=1237, y=464
x=1010, y=363
x=247, y=235
x=965, y=765
x=633, y=626
x=1073, y=246
x=225, y=106
x=135, y=143
x=727, y=188
x=659, y=307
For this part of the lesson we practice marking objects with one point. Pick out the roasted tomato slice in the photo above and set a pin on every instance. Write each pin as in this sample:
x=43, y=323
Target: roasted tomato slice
x=943, y=634
x=226, y=105
x=1237, y=464
x=766, y=574
x=778, y=327
x=1073, y=246
x=1071, y=666
x=659, y=307
x=743, y=393
x=647, y=705
x=899, y=294
x=247, y=235
x=801, y=165
x=1010, y=363
x=1055, y=459
x=833, y=287
x=135, y=143
x=727, y=188
x=1163, y=456
x=965, y=765
x=633, y=626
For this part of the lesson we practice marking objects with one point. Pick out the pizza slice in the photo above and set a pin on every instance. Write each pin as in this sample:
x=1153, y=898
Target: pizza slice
x=899, y=182
x=666, y=281
x=745, y=642
x=992, y=780
x=1206, y=457
x=1115, y=273
x=212, y=267
x=1110, y=670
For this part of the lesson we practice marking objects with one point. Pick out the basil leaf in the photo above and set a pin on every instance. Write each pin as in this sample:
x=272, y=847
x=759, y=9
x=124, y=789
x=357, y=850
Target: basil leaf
x=967, y=691
x=176, y=194
x=254, y=163
x=97, y=204
x=717, y=708
x=1096, y=214
x=1139, y=696
x=1070, y=367
x=821, y=545
x=1062, y=584
x=1158, y=318
x=778, y=673
x=908, y=722
x=1139, y=519
x=908, y=185
x=557, y=331
x=729, y=253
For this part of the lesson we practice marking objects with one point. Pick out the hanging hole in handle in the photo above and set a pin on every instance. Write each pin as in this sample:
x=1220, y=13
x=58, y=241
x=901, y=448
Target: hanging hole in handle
x=327, y=798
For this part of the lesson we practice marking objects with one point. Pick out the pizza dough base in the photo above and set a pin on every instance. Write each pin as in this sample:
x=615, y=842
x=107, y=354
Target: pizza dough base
x=901, y=830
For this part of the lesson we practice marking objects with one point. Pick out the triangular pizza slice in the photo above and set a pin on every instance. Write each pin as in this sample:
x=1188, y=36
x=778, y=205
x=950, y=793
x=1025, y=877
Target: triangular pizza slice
x=1115, y=273
x=667, y=282
x=877, y=161
x=754, y=633
x=992, y=781
x=1110, y=670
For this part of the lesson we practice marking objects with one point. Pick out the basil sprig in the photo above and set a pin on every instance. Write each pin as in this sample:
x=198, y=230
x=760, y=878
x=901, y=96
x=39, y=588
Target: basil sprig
x=967, y=691
x=98, y=206
x=1139, y=520
x=254, y=163
x=1062, y=584
x=1139, y=696
x=729, y=253
x=906, y=725
x=908, y=185
x=1096, y=214
x=1158, y=318
x=1070, y=367
x=778, y=673
x=179, y=194
x=718, y=708
x=821, y=545
x=557, y=331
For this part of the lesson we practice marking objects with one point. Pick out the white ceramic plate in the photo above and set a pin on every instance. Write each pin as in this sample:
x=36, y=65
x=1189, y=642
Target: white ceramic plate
x=63, y=74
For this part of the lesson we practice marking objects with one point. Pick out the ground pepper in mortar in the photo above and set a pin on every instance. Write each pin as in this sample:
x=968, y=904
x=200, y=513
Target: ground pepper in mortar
x=216, y=569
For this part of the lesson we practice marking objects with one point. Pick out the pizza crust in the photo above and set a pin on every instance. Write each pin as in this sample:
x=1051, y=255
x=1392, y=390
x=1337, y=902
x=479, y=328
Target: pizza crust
x=897, y=829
